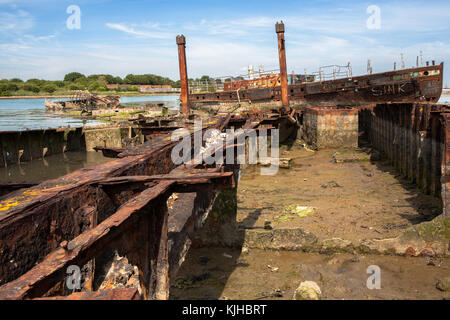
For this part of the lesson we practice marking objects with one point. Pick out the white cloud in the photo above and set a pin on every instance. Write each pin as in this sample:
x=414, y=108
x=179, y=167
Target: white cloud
x=221, y=47
x=15, y=22
x=140, y=33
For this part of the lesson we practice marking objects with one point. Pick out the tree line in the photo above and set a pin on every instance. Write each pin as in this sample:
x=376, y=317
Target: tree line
x=78, y=81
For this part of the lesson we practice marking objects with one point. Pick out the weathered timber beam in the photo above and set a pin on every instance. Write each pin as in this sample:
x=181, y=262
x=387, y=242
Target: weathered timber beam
x=81, y=249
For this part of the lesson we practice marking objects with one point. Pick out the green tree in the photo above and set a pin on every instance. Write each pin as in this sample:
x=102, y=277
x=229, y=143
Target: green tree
x=97, y=86
x=31, y=87
x=36, y=82
x=59, y=84
x=73, y=76
x=74, y=86
x=109, y=79
x=50, y=88
x=118, y=80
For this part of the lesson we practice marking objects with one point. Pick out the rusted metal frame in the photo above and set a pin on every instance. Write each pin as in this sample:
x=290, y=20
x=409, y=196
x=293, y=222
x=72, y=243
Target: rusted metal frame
x=8, y=187
x=343, y=94
x=420, y=134
x=185, y=221
x=383, y=137
x=54, y=193
x=377, y=134
x=402, y=133
x=402, y=145
x=84, y=247
x=183, y=183
x=398, y=139
x=445, y=165
x=176, y=178
x=165, y=140
x=406, y=140
x=427, y=149
x=413, y=146
x=381, y=133
x=48, y=202
x=387, y=132
x=191, y=181
x=435, y=155
x=109, y=152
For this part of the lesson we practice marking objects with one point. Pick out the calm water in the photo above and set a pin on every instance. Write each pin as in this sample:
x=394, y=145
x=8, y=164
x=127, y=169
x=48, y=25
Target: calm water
x=445, y=98
x=23, y=114
x=51, y=167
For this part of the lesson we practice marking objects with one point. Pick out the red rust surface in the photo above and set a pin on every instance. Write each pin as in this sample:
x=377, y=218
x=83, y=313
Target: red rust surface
x=279, y=28
x=120, y=204
x=181, y=42
x=109, y=294
x=423, y=84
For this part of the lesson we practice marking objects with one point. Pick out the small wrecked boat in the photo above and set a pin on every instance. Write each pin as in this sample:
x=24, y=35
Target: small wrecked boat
x=84, y=101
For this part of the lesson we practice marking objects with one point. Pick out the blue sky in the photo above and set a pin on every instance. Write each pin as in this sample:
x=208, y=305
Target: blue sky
x=223, y=37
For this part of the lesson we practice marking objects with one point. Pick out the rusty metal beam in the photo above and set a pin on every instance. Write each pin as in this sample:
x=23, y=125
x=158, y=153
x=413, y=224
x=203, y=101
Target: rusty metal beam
x=279, y=28
x=83, y=248
x=181, y=42
x=51, y=211
x=108, y=294
x=109, y=152
x=8, y=187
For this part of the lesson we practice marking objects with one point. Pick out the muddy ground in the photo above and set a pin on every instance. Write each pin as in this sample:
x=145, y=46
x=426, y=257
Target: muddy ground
x=353, y=195
x=210, y=273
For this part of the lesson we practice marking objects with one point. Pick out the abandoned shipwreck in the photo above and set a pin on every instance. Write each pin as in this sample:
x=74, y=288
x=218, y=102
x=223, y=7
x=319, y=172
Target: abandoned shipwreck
x=84, y=101
x=141, y=212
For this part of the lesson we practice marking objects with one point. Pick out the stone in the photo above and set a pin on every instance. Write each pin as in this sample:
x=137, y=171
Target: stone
x=336, y=245
x=444, y=284
x=241, y=262
x=203, y=260
x=268, y=225
x=308, y=290
x=285, y=163
x=245, y=250
x=427, y=252
x=411, y=252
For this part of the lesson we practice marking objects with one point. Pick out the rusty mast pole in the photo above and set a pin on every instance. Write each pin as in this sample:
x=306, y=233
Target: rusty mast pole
x=181, y=42
x=279, y=28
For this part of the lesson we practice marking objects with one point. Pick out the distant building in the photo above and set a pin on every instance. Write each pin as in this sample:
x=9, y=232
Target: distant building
x=144, y=87
x=157, y=88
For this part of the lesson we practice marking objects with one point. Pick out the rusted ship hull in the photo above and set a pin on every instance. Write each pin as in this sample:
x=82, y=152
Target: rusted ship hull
x=423, y=84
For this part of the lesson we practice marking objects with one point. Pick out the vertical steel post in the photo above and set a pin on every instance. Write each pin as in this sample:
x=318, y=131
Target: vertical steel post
x=181, y=42
x=279, y=28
